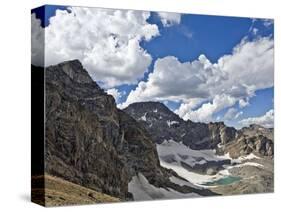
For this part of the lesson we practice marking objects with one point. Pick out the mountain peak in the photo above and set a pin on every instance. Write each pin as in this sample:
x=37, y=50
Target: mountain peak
x=75, y=70
x=150, y=103
x=74, y=62
x=148, y=106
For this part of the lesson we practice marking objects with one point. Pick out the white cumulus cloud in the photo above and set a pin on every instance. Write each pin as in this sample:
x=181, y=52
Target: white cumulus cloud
x=106, y=41
x=188, y=106
x=266, y=120
x=232, y=113
x=168, y=18
x=206, y=111
x=233, y=78
x=243, y=102
x=37, y=41
x=268, y=22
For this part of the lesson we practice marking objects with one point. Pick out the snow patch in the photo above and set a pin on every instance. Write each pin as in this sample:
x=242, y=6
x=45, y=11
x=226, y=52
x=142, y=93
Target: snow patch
x=194, y=178
x=180, y=152
x=249, y=157
x=143, y=190
x=248, y=164
x=241, y=159
x=220, y=145
x=171, y=155
x=143, y=118
x=183, y=182
x=170, y=123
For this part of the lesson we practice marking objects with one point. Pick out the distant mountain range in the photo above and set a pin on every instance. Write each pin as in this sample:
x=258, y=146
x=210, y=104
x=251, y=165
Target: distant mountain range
x=162, y=124
x=144, y=151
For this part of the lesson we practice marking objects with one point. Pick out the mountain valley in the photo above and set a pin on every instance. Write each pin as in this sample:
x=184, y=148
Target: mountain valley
x=145, y=151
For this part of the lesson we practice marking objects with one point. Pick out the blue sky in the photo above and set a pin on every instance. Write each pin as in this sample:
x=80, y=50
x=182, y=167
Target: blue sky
x=194, y=35
x=214, y=36
x=44, y=13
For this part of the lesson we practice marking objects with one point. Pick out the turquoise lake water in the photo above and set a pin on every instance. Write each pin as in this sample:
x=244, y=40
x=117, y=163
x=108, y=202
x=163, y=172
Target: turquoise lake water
x=223, y=181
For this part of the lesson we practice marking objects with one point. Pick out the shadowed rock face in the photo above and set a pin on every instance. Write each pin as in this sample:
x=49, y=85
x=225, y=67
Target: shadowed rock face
x=163, y=124
x=90, y=142
x=82, y=126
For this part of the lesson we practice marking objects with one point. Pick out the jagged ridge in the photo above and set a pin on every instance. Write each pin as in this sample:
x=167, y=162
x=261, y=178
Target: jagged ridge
x=163, y=124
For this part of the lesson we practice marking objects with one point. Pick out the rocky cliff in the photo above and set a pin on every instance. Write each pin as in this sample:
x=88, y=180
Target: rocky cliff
x=257, y=142
x=82, y=125
x=88, y=141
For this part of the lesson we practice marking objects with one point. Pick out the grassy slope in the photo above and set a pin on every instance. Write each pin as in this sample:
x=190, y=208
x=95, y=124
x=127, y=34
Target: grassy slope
x=60, y=192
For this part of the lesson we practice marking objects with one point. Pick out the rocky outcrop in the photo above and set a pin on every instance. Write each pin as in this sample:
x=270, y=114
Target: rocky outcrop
x=88, y=141
x=246, y=144
x=255, y=129
x=253, y=139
